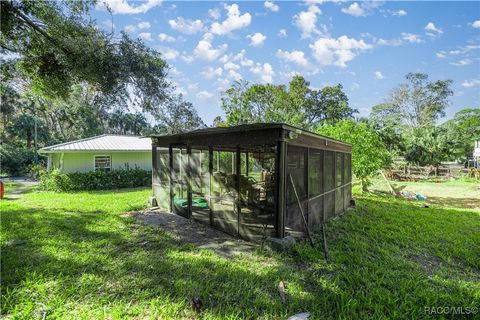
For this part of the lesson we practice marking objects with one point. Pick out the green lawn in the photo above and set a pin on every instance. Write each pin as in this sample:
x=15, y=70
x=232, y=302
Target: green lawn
x=83, y=259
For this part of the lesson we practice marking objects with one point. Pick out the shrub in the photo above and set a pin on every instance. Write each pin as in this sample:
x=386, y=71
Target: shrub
x=94, y=180
x=16, y=161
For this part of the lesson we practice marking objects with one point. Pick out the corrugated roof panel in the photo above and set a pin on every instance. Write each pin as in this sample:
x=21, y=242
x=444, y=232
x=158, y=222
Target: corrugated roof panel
x=104, y=143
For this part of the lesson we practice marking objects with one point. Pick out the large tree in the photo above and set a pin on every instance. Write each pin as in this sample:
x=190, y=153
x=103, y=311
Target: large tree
x=417, y=103
x=296, y=104
x=59, y=45
x=178, y=116
x=464, y=129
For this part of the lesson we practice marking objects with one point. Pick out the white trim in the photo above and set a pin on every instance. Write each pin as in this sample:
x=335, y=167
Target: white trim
x=102, y=155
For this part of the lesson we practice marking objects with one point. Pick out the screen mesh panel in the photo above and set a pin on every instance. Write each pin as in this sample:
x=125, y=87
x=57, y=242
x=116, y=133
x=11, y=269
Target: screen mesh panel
x=179, y=182
x=296, y=169
x=315, y=188
x=200, y=183
x=161, y=183
x=224, y=194
x=257, y=194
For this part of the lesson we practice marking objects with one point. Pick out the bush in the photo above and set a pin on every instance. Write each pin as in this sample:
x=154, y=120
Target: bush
x=94, y=180
x=16, y=161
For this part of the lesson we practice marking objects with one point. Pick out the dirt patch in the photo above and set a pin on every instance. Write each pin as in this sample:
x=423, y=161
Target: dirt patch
x=190, y=231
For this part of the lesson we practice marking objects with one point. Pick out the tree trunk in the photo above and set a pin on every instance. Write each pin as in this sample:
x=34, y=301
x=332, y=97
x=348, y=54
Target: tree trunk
x=29, y=139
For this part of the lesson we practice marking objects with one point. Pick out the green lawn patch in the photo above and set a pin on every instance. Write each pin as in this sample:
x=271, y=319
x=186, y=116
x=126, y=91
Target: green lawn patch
x=76, y=256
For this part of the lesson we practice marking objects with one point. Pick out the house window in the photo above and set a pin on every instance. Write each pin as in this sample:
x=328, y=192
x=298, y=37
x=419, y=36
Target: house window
x=102, y=163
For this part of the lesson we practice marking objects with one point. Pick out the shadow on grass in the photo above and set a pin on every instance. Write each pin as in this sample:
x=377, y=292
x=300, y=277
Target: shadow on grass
x=462, y=203
x=92, y=261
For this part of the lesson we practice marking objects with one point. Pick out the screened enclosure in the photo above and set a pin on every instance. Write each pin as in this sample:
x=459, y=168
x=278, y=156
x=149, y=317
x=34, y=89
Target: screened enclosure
x=253, y=181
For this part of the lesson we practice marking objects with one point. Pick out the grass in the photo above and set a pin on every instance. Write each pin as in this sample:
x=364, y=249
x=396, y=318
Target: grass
x=83, y=259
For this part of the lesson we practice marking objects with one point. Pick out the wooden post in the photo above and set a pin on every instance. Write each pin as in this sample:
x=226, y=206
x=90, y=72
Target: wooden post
x=237, y=184
x=280, y=190
x=170, y=159
x=307, y=180
x=188, y=175
x=210, y=179
x=154, y=169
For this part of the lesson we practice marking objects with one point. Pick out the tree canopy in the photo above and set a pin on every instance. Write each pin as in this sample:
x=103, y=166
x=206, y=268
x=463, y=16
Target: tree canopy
x=296, y=104
x=59, y=46
x=416, y=103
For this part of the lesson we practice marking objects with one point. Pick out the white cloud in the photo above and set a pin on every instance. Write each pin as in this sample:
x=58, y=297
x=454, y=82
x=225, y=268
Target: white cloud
x=306, y=21
x=399, y=13
x=144, y=25
x=140, y=26
x=401, y=40
x=355, y=10
x=123, y=7
x=331, y=51
x=476, y=24
x=233, y=22
x=214, y=13
x=169, y=53
x=265, y=72
x=130, y=28
x=186, y=26
x=271, y=6
x=363, y=9
x=231, y=66
x=464, y=54
x=297, y=57
x=410, y=37
x=256, y=39
x=147, y=36
x=282, y=33
x=166, y=38
x=240, y=57
x=205, y=95
x=187, y=58
x=211, y=73
x=205, y=51
x=471, y=83
x=432, y=30
x=463, y=62
x=378, y=75
x=234, y=75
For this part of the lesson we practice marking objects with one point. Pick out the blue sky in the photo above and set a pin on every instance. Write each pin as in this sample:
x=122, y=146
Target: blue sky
x=366, y=46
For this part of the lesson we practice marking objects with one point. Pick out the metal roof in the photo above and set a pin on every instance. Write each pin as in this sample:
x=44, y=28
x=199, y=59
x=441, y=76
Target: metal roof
x=105, y=142
x=246, y=128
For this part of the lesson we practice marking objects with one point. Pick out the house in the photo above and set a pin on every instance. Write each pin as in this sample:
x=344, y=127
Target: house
x=105, y=152
x=253, y=180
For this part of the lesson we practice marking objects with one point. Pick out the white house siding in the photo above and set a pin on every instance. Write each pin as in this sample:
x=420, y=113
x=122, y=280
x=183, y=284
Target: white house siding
x=84, y=161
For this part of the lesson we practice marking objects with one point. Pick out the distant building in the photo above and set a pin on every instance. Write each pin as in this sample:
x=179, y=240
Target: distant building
x=476, y=153
x=106, y=152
